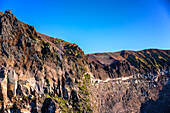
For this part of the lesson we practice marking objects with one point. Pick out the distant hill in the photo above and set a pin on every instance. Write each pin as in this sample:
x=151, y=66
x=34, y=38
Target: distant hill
x=126, y=63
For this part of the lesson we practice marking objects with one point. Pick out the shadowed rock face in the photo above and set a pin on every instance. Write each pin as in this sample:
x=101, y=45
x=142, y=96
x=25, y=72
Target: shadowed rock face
x=161, y=105
x=48, y=106
x=39, y=73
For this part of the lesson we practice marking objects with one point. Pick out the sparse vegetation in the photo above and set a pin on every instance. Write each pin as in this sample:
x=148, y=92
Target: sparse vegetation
x=1, y=13
x=84, y=92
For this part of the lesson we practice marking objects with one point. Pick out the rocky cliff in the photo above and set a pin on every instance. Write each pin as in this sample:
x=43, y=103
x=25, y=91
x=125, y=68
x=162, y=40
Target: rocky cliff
x=126, y=63
x=39, y=73
x=36, y=68
x=131, y=81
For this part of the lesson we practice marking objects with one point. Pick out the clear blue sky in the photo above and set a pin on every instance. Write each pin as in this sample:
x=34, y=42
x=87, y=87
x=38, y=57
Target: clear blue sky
x=98, y=25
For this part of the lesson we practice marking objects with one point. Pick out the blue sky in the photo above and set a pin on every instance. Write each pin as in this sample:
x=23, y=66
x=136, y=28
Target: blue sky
x=98, y=25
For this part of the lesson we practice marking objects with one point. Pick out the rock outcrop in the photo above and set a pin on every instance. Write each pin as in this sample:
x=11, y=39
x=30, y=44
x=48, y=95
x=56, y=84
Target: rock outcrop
x=36, y=66
x=39, y=73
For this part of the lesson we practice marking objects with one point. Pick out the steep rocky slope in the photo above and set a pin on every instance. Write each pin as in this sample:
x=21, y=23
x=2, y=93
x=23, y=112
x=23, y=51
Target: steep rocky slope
x=34, y=66
x=132, y=81
x=126, y=63
x=133, y=95
x=39, y=73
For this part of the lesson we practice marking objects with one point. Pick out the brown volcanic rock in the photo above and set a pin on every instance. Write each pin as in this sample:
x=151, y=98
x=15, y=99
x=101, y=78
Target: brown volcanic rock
x=36, y=65
x=39, y=73
x=126, y=63
x=133, y=95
